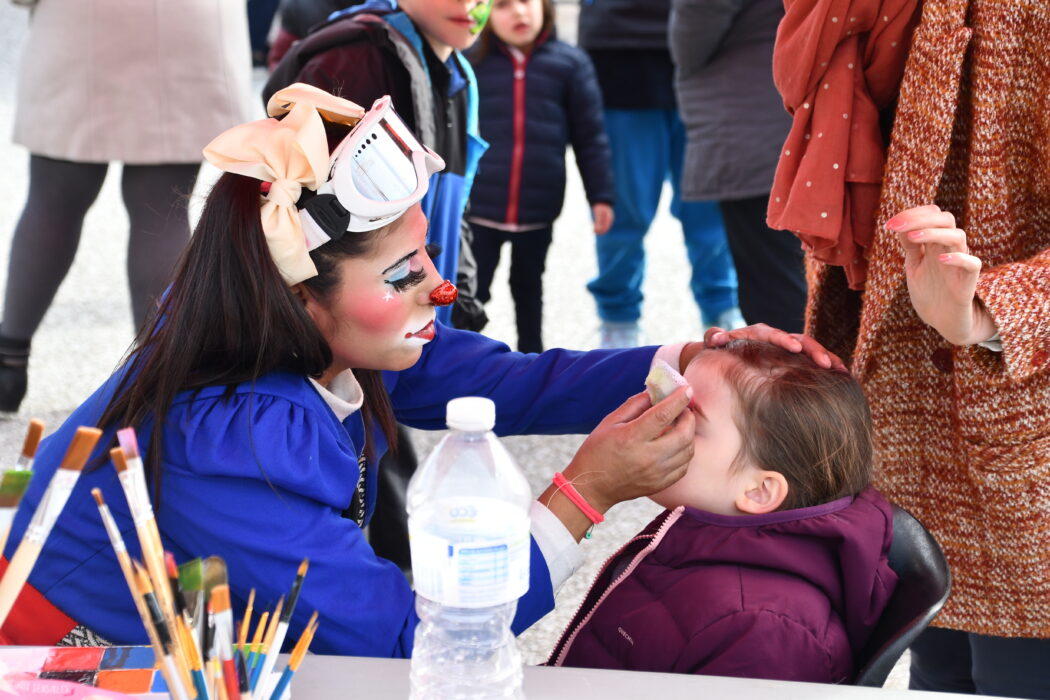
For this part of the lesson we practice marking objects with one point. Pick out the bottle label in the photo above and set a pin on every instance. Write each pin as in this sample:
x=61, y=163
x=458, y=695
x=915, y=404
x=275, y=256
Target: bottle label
x=470, y=552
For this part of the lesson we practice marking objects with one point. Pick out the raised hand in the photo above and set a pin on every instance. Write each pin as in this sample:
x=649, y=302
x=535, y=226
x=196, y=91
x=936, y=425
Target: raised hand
x=942, y=274
x=793, y=342
x=638, y=450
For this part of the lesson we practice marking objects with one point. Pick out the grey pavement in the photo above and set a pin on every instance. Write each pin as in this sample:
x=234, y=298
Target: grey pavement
x=88, y=327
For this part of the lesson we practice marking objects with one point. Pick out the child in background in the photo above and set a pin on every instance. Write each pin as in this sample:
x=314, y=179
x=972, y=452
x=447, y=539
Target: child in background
x=537, y=95
x=770, y=561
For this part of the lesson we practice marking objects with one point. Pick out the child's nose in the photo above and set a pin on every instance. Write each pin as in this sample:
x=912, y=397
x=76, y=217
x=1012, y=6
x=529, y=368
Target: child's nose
x=444, y=294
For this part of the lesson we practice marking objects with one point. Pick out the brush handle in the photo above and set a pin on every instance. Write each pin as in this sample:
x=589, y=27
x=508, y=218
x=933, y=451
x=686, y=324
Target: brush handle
x=270, y=660
x=175, y=685
x=282, y=684
x=16, y=575
x=6, y=534
x=51, y=505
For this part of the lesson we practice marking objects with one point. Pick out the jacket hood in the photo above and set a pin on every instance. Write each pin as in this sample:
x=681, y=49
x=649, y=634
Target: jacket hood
x=840, y=547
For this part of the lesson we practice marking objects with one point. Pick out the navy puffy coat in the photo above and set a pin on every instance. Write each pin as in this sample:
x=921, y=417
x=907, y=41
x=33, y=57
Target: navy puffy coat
x=521, y=178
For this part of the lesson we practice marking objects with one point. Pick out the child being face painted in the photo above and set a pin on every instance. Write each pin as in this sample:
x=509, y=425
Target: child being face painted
x=773, y=432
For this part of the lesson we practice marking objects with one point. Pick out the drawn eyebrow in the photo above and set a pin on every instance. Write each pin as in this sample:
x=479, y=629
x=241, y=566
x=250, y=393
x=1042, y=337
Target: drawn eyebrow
x=400, y=260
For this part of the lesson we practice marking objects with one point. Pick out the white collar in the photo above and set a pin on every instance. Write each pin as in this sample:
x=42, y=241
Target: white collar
x=343, y=394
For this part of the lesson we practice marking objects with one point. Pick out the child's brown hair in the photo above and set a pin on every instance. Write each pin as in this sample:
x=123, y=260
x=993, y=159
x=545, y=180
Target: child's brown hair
x=484, y=45
x=810, y=424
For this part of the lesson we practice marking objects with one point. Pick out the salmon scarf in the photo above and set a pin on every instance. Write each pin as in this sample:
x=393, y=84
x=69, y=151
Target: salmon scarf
x=836, y=63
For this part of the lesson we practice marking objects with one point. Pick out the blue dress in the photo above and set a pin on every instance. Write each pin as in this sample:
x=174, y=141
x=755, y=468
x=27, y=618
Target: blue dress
x=262, y=478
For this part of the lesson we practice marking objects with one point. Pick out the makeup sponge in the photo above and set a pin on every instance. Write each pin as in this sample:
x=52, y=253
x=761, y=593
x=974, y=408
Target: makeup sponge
x=663, y=379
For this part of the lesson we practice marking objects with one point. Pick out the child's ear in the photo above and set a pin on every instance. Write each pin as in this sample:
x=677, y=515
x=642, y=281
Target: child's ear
x=763, y=493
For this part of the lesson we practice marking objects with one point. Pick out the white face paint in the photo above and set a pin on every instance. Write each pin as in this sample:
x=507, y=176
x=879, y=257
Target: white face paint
x=381, y=316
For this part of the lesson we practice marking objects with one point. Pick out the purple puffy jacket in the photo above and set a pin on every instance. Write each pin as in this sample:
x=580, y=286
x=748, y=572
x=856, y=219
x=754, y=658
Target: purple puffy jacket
x=791, y=595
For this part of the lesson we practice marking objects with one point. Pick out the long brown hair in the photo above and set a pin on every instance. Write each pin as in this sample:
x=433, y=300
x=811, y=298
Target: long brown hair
x=810, y=424
x=488, y=39
x=229, y=318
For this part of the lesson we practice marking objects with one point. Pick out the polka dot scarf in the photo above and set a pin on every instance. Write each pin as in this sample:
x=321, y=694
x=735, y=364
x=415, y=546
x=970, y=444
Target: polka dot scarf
x=836, y=64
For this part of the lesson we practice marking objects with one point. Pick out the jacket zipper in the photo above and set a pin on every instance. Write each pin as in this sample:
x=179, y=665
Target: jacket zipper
x=518, y=63
x=561, y=649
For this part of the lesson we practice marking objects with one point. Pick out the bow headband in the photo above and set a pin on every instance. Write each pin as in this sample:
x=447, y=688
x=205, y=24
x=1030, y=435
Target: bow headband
x=290, y=154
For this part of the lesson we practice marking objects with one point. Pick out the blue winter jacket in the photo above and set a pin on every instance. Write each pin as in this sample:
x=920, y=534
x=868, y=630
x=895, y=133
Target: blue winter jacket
x=528, y=119
x=262, y=477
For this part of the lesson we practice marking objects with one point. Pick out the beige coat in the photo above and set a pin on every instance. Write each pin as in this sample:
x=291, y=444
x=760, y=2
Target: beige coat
x=963, y=433
x=138, y=81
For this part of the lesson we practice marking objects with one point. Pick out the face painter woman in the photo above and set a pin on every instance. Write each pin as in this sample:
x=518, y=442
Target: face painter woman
x=298, y=329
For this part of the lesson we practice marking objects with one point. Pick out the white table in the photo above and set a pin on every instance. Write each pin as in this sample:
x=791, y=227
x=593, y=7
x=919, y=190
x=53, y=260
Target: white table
x=333, y=677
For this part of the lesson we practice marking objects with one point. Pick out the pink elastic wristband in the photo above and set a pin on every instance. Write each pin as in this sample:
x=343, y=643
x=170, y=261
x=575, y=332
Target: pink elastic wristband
x=579, y=501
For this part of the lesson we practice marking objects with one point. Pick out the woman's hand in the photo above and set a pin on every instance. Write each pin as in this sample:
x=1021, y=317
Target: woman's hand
x=942, y=275
x=637, y=450
x=793, y=342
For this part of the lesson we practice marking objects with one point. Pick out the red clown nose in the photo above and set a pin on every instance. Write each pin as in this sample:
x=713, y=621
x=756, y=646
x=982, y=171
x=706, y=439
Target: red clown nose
x=444, y=294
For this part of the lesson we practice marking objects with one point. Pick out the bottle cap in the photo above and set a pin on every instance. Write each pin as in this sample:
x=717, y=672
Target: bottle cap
x=470, y=413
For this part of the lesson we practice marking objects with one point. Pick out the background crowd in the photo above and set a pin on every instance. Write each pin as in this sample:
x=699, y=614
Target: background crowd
x=949, y=446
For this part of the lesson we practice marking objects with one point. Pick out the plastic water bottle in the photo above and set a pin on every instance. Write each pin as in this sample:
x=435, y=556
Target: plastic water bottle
x=468, y=526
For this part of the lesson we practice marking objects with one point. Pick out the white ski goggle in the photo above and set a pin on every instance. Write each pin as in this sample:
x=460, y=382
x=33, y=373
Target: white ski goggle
x=376, y=173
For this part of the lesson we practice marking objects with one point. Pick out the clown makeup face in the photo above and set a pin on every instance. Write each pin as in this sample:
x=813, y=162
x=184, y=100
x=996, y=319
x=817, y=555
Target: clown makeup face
x=380, y=315
x=446, y=24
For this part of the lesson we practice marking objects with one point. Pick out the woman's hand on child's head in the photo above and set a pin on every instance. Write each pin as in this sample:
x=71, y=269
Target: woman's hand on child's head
x=603, y=218
x=639, y=449
x=942, y=275
x=793, y=342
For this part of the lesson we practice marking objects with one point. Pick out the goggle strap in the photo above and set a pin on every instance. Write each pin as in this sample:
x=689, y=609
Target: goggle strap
x=329, y=214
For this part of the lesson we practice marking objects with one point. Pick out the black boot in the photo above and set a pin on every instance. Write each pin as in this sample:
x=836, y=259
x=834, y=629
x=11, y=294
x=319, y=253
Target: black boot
x=14, y=362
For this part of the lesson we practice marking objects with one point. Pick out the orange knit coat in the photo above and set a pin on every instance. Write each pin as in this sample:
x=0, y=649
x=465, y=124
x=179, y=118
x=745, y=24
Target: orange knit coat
x=963, y=433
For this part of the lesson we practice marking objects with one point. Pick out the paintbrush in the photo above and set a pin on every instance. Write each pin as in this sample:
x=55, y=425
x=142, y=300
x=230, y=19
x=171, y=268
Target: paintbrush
x=297, y=658
x=242, y=636
x=242, y=679
x=16, y=480
x=213, y=574
x=173, y=581
x=260, y=658
x=222, y=645
x=121, y=550
x=174, y=677
x=253, y=654
x=196, y=669
x=191, y=581
x=282, y=627
x=132, y=476
x=47, y=512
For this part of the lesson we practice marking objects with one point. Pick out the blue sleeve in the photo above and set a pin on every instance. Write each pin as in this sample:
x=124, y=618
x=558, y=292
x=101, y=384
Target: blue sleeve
x=554, y=392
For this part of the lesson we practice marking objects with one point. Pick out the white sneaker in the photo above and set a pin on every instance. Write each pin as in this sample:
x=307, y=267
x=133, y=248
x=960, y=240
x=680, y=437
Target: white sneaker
x=620, y=335
x=729, y=320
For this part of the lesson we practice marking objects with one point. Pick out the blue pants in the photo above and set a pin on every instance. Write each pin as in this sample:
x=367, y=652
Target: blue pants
x=976, y=664
x=648, y=146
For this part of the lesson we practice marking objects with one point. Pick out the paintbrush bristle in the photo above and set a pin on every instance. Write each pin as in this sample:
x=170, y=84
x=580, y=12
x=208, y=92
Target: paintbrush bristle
x=142, y=578
x=33, y=435
x=126, y=438
x=80, y=448
x=220, y=599
x=169, y=564
x=97, y=493
x=120, y=460
x=303, y=567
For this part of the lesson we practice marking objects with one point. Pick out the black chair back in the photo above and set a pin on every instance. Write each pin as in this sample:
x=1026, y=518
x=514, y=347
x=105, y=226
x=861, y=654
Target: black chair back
x=923, y=586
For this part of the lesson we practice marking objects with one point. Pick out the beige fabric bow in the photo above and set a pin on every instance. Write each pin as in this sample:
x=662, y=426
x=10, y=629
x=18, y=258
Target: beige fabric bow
x=290, y=154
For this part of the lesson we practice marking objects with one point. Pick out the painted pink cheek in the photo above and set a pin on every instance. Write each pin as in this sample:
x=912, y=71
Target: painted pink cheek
x=379, y=312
